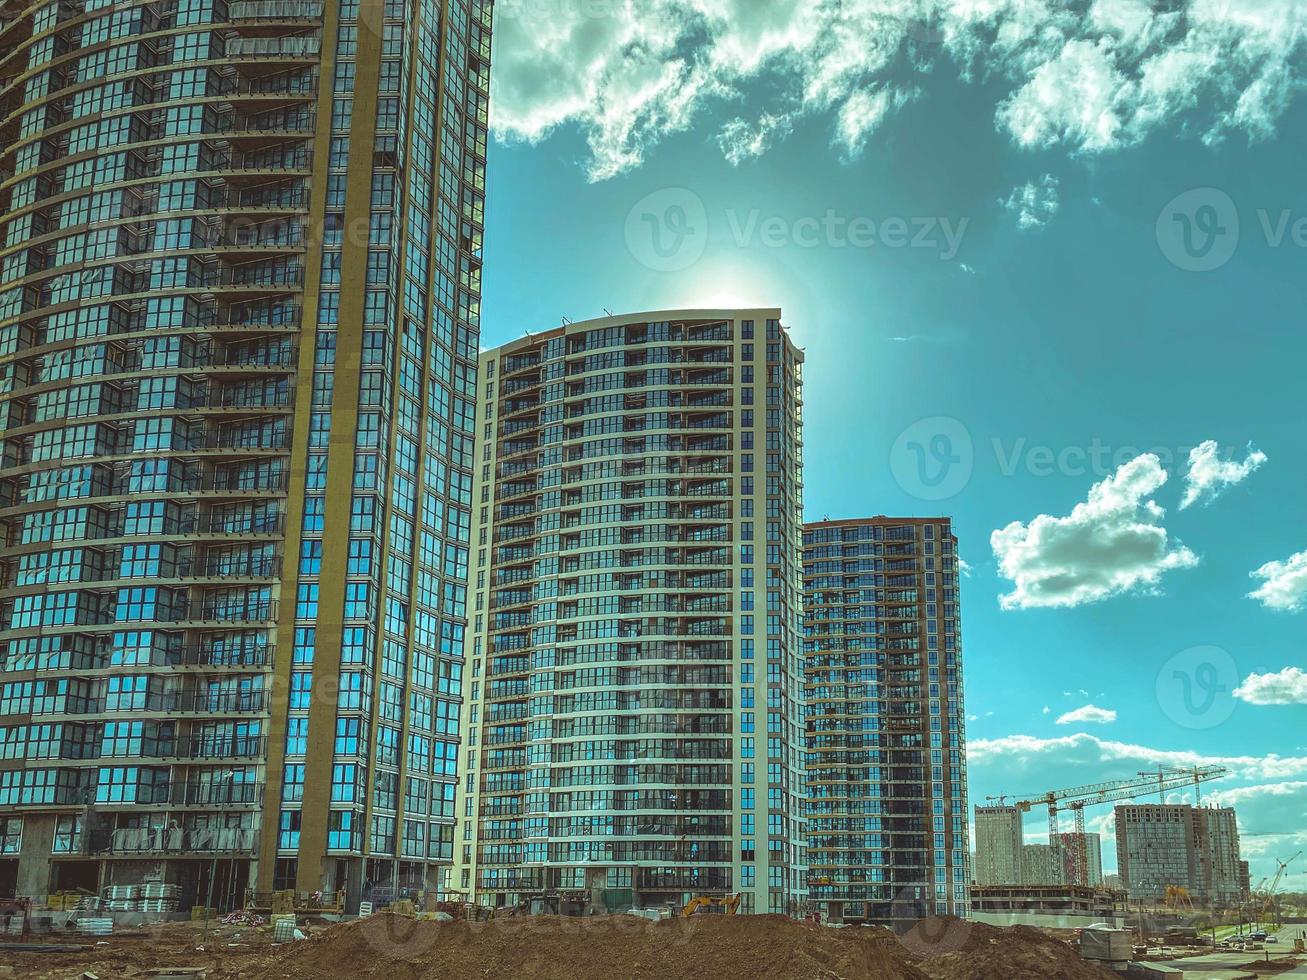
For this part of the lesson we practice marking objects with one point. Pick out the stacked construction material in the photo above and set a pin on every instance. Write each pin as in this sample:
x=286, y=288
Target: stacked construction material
x=94, y=927
x=122, y=898
x=159, y=897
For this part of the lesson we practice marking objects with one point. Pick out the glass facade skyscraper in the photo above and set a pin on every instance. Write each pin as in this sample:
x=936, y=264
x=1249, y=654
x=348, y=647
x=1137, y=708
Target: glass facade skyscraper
x=886, y=752
x=633, y=717
x=240, y=259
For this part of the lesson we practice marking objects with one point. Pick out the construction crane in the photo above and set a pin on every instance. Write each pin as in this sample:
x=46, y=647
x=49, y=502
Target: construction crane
x=1076, y=798
x=1270, y=905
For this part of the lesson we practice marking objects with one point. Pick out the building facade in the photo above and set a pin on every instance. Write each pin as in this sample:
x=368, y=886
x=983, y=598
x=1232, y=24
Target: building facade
x=1068, y=844
x=886, y=737
x=1161, y=846
x=633, y=717
x=240, y=251
x=998, y=845
x=1042, y=864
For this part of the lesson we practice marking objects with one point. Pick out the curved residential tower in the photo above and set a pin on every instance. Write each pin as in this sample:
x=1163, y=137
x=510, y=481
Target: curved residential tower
x=633, y=722
x=240, y=256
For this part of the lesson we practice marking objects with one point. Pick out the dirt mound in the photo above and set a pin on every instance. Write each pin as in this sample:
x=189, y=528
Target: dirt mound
x=385, y=947
x=955, y=949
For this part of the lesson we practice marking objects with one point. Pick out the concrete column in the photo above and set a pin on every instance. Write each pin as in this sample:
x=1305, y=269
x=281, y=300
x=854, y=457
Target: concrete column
x=34, y=863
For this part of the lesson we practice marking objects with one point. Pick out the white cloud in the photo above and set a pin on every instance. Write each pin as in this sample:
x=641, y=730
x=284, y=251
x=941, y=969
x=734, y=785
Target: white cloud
x=1284, y=584
x=1111, y=759
x=740, y=141
x=1074, y=97
x=1034, y=203
x=1208, y=475
x=1288, y=686
x=1047, y=710
x=1089, y=713
x=1094, y=79
x=1110, y=544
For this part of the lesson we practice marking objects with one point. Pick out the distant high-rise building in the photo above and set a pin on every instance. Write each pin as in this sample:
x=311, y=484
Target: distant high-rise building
x=240, y=264
x=1195, y=848
x=998, y=845
x=1069, y=843
x=633, y=715
x=887, y=778
x=1041, y=864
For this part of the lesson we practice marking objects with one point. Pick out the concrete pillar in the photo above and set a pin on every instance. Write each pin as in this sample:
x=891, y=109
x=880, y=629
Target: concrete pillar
x=34, y=863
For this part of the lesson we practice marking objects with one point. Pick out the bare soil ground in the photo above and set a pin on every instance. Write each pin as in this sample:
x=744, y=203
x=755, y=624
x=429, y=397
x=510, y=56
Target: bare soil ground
x=388, y=947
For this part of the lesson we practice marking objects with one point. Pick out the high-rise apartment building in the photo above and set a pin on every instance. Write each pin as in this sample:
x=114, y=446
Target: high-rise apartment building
x=1042, y=864
x=998, y=845
x=1194, y=848
x=633, y=715
x=240, y=258
x=886, y=742
x=1069, y=846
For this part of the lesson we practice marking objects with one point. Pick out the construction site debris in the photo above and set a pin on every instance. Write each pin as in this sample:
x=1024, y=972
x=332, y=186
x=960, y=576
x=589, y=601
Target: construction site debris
x=625, y=947
x=985, y=952
x=385, y=946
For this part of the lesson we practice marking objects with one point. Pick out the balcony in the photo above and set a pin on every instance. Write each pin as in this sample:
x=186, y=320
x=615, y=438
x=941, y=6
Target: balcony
x=272, y=48
x=176, y=840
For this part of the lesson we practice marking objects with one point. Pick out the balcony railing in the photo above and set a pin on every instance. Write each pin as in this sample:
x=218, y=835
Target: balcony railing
x=274, y=10
x=273, y=47
x=177, y=840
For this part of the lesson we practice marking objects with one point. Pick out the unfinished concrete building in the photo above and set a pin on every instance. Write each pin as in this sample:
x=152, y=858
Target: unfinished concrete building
x=1068, y=845
x=998, y=845
x=1177, y=845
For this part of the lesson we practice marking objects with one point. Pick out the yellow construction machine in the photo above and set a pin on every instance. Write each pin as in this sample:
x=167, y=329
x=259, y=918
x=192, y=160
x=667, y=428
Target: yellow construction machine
x=719, y=904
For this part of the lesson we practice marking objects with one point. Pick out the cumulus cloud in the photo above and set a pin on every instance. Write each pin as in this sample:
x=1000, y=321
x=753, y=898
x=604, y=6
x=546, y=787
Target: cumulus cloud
x=1095, y=78
x=1034, y=203
x=1288, y=686
x=1111, y=759
x=1209, y=475
x=1284, y=583
x=1090, y=713
x=1110, y=544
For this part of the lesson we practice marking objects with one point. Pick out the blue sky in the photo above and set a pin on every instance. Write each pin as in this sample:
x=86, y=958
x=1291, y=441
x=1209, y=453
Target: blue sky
x=974, y=216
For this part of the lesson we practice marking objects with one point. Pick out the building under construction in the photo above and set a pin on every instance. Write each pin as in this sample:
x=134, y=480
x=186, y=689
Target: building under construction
x=1161, y=847
x=1075, y=858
